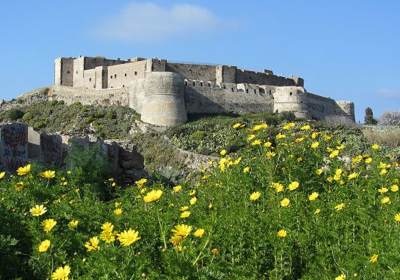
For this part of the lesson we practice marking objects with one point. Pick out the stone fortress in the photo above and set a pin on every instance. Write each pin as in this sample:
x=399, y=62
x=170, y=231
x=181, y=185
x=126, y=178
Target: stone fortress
x=163, y=92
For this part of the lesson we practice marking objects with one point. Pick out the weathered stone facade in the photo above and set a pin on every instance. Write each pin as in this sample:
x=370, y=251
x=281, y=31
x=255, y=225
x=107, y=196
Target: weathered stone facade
x=164, y=92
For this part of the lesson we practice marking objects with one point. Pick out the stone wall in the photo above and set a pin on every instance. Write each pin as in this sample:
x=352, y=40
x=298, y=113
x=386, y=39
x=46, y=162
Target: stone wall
x=13, y=146
x=193, y=71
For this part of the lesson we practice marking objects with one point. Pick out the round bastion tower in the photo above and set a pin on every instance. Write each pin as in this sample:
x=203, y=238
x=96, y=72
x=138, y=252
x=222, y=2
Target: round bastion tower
x=291, y=99
x=164, y=102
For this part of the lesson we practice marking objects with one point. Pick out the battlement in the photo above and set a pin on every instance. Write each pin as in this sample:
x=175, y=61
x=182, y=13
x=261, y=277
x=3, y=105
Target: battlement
x=202, y=88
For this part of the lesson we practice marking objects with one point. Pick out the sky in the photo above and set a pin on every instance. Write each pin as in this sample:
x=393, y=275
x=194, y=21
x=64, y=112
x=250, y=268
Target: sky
x=346, y=50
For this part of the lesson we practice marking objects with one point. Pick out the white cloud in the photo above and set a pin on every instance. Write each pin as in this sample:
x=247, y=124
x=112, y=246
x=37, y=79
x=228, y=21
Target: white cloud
x=148, y=22
x=387, y=93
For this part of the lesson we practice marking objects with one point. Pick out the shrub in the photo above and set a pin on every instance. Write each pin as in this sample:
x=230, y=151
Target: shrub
x=390, y=118
x=15, y=114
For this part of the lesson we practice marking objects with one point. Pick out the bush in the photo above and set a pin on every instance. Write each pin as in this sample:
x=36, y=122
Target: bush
x=15, y=114
x=390, y=118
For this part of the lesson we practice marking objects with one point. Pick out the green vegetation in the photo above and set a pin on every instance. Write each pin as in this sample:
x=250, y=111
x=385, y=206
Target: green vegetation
x=294, y=201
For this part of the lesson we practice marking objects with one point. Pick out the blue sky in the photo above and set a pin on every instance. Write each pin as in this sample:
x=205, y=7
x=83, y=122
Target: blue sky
x=346, y=50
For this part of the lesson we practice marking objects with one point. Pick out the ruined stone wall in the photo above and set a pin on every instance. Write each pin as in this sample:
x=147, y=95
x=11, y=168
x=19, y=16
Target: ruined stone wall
x=123, y=75
x=13, y=146
x=252, y=77
x=193, y=71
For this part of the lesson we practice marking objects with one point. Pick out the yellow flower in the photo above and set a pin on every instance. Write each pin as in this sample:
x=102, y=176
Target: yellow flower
x=177, y=188
x=2, y=175
x=336, y=177
x=127, y=237
x=236, y=125
x=353, y=175
x=255, y=196
x=280, y=136
x=48, y=174
x=341, y=277
x=117, y=211
x=385, y=200
x=319, y=171
x=193, y=192
x=375, y=147
x=256, y=142
x=19, y=186
x=313, y=196
x=154, y=195
x=394, y=188
x=383, y=172
x=199, y=232
x=38, y=210
x=215, y=251
x=258, y=127
x=285, y=202
x=141, y=182
x=182, y=230
x=397, y=217
x=383, y=190
x=339, y=207
x=92, y=244
x=335, y=153
x=117, y=204
x=24, y=170
x=107, y=236
x=317, y=211
x=251, y=137
x=246, y=170
x=282, y=233
x=315, y=145
x=293, y=185
x=61, y=273
x=73, y=223
x=374, y=258
x=341, y=147
x=185, y=214
x=184, y=208
x=107, y=227
x=306, y=127
x=48, y=224
x=44, y=245
x=270, y=154
x=267, y=144
x=193, y=200
x=299, y=159
x=176, y=239
x=223, y=152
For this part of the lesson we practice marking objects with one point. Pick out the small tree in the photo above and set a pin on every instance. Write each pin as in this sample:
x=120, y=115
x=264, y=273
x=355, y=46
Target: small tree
x=369, y=117
x=390, y=118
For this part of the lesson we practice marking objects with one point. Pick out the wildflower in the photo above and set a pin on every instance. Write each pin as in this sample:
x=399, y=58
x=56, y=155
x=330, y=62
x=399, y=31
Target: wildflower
x=251, y=137
x=336, y=177
x=141, y=182
x=246, y=170
x=92, y=244
x=313, y=196
x=339, y=207
x=48, y=224
x=117, y=204
x=279, y=188
x=375, y=147
x=182, y=230
x=176, y=239
x=383, y=190
x=299, y=159
x=107, y=236
x=193, y=192
x=19, y=186
x=374, y=258
x=383, y=172
x=385, y=200
x=73, y=223
x=293, y=185
x=44, y=245
x=48, y=174
x=285, y=202
x=319, y=171
x=185, y=214
x=341, y=147
x=306, y=127
x=107, y=227
x=298, y=140
x=368, y=160
x=193, y=200
x=199, y=232
x=280, y=136
x=38, y=210
x=223, y=152
x=397, y=217
x=357, y=159
x=335, y=153
x=341, y=277
x=2, y=175
x=154, y=195
x=256, y=142
x=259, y=127
x=271, y=154
x=128, y=237
x=118, y=211
x=215, y=251
x=236, y=162
x=317, y=211
x=353, y=175
x=184, y=208
x=24, y=170
x=61, y=273
x=286, y=127
x=255, y=195
x=282, y=233
x=236, y=125
x=315, y=145
x=394, y=188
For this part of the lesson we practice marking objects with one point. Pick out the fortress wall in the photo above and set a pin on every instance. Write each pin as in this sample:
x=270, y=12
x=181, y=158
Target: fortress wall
x=291, y=99
x=64, y=69
x=156, y=65
x=93, y=62
x=252, y=77
x=320, y=107
x=123, y=75
x=203, y=97
x=226, y=74
x=90, y=96
x=192, y=71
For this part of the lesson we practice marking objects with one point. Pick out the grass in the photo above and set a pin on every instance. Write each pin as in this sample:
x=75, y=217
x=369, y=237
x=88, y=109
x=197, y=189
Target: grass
x=283, y=206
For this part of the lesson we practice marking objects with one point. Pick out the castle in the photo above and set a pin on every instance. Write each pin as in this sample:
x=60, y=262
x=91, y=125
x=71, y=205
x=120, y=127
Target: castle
x=163, y=92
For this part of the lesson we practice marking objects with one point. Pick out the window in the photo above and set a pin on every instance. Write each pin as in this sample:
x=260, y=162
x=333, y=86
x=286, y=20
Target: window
x=201, y=84
x=111, y=77
x=255, y=91
x=135, y=73
x=194, y=84
x=68, y=72
x=290, y=93
x=209, y=84
x=233, y=90
x=125, y=74
x=247, y=90
x=90, y=79
x=185, y=83
x=115, y=75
